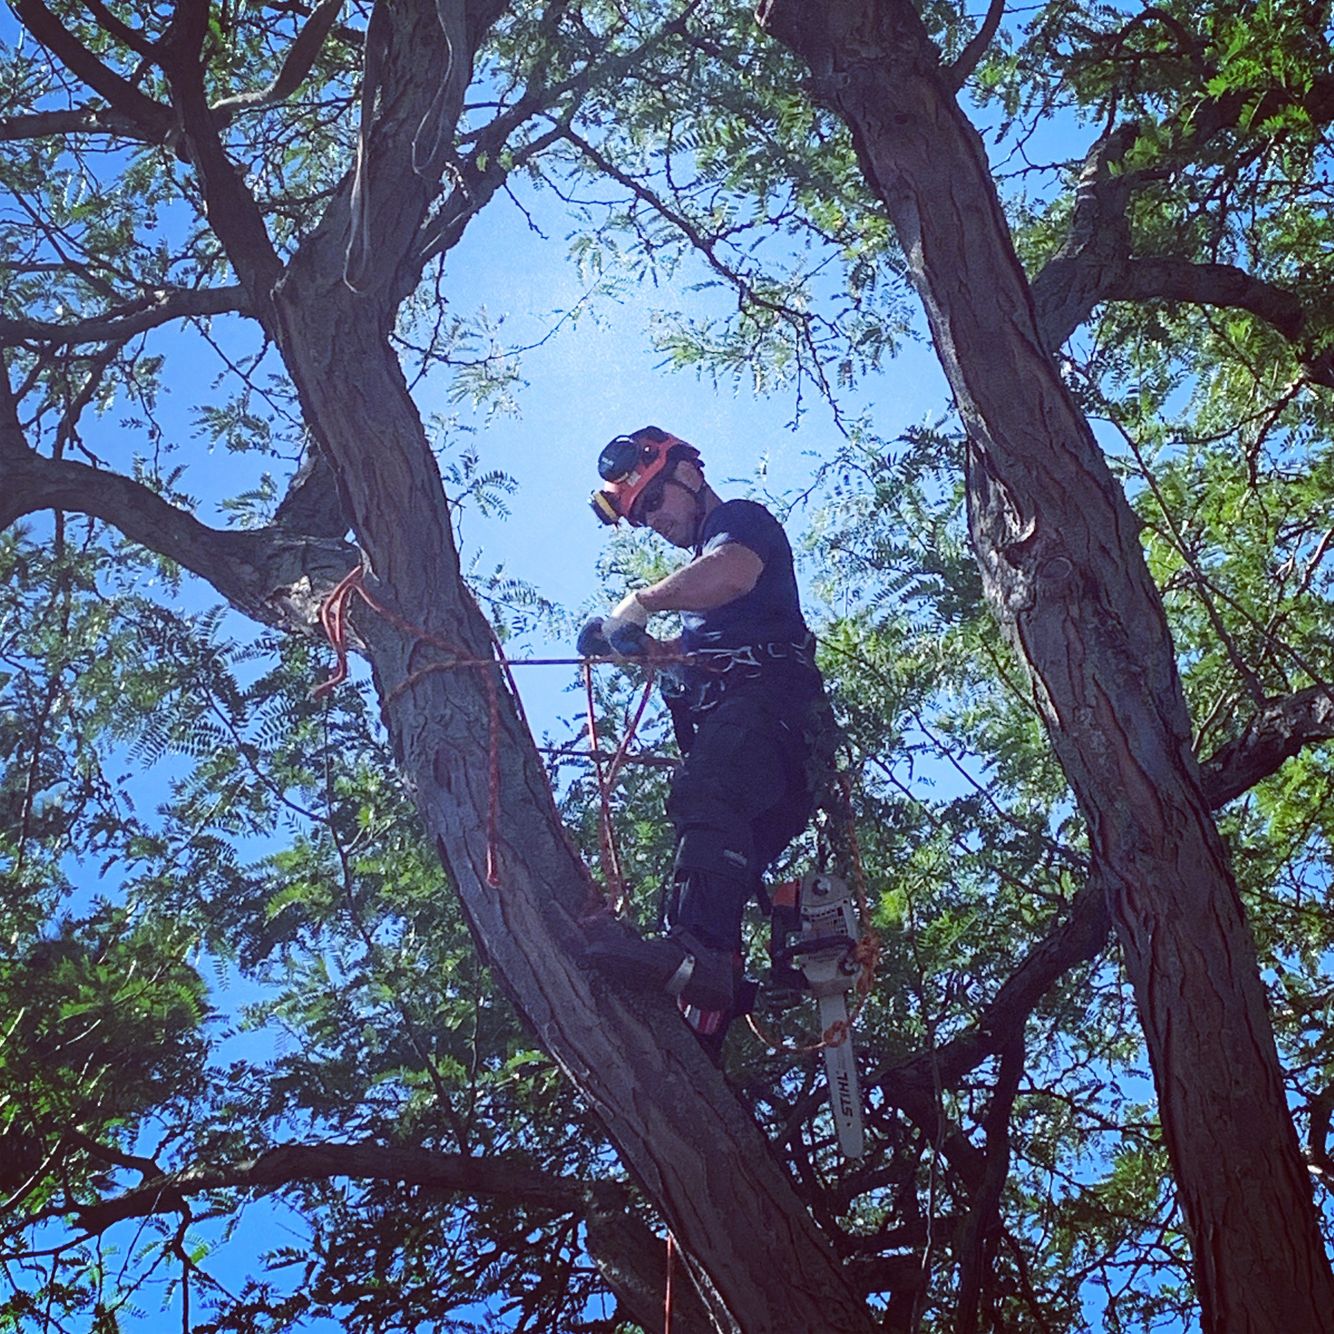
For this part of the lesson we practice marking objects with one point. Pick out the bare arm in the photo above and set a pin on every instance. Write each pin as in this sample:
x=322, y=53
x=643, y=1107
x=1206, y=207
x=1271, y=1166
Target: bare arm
x=715, y=579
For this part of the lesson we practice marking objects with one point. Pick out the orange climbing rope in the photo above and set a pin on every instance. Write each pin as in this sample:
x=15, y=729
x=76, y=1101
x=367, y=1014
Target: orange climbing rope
x=333, y=619
x=614, y=886
x=613, y=883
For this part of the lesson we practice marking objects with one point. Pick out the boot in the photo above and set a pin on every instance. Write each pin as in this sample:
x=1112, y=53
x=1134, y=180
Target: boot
x=678, y=963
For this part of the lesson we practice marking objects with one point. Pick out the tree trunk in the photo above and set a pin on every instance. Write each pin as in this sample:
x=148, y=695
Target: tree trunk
x=1060, y=557
x=679, y=1128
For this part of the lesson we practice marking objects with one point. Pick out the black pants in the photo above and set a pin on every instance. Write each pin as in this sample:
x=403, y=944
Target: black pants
x=742, y=795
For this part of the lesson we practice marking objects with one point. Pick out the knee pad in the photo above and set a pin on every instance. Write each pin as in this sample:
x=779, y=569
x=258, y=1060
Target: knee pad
x=715, y=852
x=709, y=906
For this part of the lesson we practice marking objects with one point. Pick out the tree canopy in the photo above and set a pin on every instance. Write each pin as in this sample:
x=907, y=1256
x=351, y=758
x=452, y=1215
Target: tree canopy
x=299, y=978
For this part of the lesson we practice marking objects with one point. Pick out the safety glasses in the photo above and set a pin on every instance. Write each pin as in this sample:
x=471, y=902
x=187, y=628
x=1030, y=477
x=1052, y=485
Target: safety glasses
x=649, y=501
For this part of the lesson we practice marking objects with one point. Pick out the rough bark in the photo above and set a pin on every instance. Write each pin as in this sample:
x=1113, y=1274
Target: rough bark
x=1062, y=565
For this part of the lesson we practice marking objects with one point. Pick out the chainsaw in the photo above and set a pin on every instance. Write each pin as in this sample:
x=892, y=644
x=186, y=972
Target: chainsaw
x=813, y=950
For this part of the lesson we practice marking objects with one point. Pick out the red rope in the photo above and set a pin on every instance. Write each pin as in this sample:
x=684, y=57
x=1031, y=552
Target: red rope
x=610, y=857
x=618, y=760
x=333, y=617
x=611, y=866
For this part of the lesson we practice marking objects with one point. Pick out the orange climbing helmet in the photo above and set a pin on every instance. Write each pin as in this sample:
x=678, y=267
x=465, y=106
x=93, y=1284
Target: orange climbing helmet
x=629, y=465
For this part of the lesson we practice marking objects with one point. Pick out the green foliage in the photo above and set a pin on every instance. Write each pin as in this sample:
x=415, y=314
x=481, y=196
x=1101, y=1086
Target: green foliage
x=103, y=1030
x=273, y=953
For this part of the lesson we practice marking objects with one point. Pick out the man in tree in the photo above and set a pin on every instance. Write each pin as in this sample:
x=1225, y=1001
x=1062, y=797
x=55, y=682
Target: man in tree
x=742, y=706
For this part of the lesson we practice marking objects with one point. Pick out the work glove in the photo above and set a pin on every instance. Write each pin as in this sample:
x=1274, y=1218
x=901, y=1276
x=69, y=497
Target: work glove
x=592, y=642
x=628, y=639
x=624, y=629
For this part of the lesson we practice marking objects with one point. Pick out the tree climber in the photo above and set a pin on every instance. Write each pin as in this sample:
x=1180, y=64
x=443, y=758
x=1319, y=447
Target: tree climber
x=747, y=708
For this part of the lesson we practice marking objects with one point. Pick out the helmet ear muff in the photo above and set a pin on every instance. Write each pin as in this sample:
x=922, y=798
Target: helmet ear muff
x=620, y=457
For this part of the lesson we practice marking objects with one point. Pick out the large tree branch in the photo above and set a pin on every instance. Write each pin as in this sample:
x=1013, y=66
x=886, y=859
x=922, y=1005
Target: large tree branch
x=297, y=65
x=1281, y=729
x=233, y=213
x=476, y=188
x=981, y=1228
x=1095, y=265
x=630, y=1258
x=490, y=142
x=154, y=120
x=121, y=31
x=498, y=1177
x=73, y=121
x=1271, y=736
x=274, y=575
x=1207, y=285
x=134, y=317
x=1223, y=285
x=419, y=64
x=1071, y=283
x=956, y=75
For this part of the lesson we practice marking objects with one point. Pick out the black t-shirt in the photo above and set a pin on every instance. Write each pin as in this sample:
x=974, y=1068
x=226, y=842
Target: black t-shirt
x=768, y=619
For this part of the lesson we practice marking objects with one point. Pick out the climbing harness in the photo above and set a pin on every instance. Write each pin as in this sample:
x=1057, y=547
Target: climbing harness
x=720, y=669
